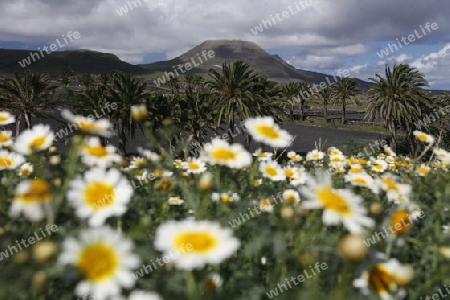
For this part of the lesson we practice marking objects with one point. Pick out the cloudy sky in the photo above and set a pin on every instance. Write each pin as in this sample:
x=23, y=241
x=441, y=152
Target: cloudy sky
x=317, y=35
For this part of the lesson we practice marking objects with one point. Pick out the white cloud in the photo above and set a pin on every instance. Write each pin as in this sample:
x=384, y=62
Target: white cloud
x=335, y=31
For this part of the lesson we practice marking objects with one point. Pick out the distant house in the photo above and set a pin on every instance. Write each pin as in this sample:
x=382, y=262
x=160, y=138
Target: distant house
x=77, y=87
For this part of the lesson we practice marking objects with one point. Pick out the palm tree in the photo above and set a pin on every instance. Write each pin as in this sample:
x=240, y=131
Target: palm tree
x=325, y=95
x=398, y=98
x=291, y=92
x=233, y=91
x=304, y=94
x=30, y=94
x=67, y=75
x=344, y=89
x=126, y=91
x=87, y=80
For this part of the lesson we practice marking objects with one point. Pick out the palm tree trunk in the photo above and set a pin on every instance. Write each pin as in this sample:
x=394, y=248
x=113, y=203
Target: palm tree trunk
x=122, y=146
x=325, y=114
x=393, y=144
x=27, y=119
x=343, y=111
x=248, y=140
x=19, y=118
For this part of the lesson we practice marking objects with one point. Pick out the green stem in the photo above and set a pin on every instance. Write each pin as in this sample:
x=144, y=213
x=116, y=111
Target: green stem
x=72, y=162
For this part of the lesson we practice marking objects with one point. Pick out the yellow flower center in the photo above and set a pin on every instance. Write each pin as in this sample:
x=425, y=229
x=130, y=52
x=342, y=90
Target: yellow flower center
x=290, y=199
x=139, y=163
x=401, y=217
x=336, y=159
x=268, y=131
x=423, y=170
x=271, y=171
x=360, y=181
x=226, y=198
x=38, y=143
x=380, y=280
x=98, y=262
x=356, y=170
x=289, y=173
x=88, y=126
x=25, y=172
x=224, y=154
x=174, y=201
x=422, y=137
x=194, y=166
x=391, y=184
x=6, y=162
x=201, y=242
x=3, y=118
x=334, y=201
x=4, y=138
x=315, y=155
x=38, y=191
x=99, y=195
x=97, y=151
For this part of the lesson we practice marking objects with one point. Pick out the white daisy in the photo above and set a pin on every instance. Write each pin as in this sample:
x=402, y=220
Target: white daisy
x=225, y=197
x=137, y=162
x=272, y=170
x=441, y=154
x=38, y=138
x=6, y=118
x=337, y=161
x=219, y=152
x=334, y=151
x=300, y=177
x=141, y=175
x=214, y=282
x=25, y=170
x=10, y=160
x=379, y=165
x=89, y=125
x=423, y=137
x=291, y=197
x=294, y=156
x=364, y=180
x=423, y=170
x=5, y=138
x=264, y=129
x=266, y=205
x=178, y=163
x=384, y=277
x=390, y=159
x=139, y=112
x=290, y=172
x=206, y=242
x=175, y=201
x=263, y=155
x=99, y=194
x=150, y=155
x=104, y=258
x=33, y=199
x=339, y=205
x=389, y=183
x=194, y=166
x=94, y=154
x=388, y=151
x=315, y=155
